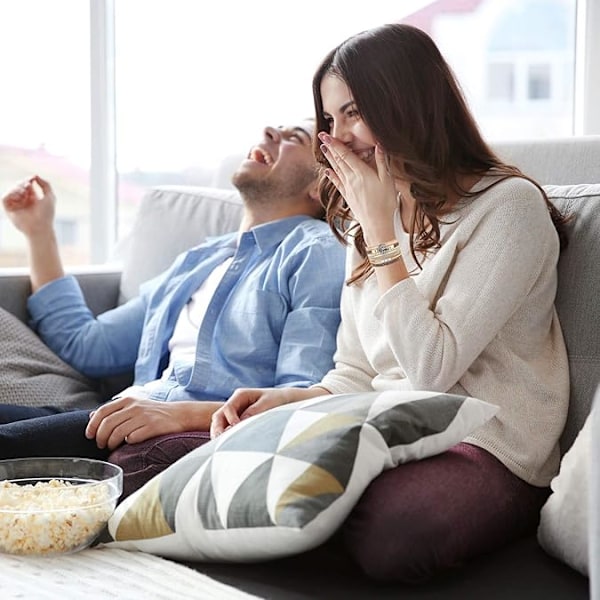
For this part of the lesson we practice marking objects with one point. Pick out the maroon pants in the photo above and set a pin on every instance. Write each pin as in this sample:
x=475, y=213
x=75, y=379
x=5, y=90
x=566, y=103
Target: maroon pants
x=141, y=462
x=427, y=516
x=412, y=521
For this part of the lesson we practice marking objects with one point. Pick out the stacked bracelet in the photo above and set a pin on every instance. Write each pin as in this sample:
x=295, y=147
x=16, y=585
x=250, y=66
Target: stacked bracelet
x=384, y=254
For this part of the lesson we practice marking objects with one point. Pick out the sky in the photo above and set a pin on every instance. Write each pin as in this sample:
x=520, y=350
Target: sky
x=193, y=84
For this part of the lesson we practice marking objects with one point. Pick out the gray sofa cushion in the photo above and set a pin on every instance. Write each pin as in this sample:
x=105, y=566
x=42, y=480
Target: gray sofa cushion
x=558, y=161
x=578, y=298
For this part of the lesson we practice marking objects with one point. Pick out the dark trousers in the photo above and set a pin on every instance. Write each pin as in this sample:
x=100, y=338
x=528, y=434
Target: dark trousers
x=31, y=431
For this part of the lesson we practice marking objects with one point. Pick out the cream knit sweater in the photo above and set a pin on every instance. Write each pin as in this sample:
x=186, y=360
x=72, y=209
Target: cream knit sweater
x=478, y=319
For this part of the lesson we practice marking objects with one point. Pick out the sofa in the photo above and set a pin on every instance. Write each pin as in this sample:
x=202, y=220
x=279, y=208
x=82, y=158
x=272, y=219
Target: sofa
x=173, y=218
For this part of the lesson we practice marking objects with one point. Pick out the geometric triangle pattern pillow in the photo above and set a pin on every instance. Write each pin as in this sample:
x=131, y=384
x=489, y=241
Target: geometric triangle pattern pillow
x=283, y=481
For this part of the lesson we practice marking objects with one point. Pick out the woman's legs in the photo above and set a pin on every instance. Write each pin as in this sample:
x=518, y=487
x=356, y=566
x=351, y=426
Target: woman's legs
x=60, y=434
x=426, y=516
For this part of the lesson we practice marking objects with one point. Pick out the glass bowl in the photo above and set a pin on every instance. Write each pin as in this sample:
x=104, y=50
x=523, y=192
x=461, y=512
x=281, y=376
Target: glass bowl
x=51, y=506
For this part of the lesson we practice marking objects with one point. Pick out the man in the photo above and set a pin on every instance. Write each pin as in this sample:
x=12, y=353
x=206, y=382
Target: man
x=257, y=308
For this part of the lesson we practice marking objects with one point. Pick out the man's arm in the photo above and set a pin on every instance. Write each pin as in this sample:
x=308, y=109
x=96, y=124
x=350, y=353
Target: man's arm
x=132, y=418
x=308, y=341
x=30, y=206
x=95, y=347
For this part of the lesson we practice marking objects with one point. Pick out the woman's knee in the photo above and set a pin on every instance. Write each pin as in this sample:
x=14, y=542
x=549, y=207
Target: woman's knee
x=427, y=516
x=401, y=543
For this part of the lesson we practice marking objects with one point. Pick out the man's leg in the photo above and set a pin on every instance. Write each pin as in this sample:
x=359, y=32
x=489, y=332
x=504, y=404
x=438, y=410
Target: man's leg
x=61, y=434
x=426, y=516
x=10, y=413
x=141, y=462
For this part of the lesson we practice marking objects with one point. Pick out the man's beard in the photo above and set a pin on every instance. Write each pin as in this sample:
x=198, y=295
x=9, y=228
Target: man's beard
x=254, y=189
x=262, y=190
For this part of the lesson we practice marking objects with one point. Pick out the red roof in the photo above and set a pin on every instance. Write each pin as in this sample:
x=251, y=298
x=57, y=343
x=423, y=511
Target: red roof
x=423, y=18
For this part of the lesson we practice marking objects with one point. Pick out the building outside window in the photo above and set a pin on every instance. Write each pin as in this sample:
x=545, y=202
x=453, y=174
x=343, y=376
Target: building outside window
x=540, y=82
x=501, y=82
x=515, y=60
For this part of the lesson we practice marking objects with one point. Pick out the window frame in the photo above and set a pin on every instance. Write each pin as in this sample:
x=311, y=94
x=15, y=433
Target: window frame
x=103, y=151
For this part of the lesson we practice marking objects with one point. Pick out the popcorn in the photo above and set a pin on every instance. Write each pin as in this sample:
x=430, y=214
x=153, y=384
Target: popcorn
x=52, y=517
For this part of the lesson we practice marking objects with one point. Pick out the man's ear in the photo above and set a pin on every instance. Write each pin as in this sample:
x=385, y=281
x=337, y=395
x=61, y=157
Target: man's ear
x=315, y=198
x=313, y=192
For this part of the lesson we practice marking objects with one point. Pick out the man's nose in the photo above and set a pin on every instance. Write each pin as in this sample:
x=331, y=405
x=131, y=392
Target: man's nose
x=272, y=133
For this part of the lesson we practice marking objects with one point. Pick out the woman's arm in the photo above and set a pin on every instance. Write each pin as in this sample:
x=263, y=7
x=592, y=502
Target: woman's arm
x=484, y=281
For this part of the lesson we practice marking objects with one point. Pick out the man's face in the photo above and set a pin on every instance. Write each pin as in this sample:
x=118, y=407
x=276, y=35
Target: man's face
x=281, y=165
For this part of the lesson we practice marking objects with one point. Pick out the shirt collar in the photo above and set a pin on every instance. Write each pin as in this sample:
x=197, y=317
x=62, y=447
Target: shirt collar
x=271, y=234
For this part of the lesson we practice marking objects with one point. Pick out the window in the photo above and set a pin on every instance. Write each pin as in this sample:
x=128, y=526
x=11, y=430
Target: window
x=66, y=231
x=516, y=64
x=189, y=85
x=45, y=116
x=197, y=85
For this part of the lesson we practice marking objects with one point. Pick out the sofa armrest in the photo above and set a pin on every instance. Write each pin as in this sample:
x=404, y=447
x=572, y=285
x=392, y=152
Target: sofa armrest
x=100, y=286
x=14, y=290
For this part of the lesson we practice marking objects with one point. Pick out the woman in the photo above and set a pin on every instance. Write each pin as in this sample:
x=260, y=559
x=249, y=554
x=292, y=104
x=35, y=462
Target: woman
x=451, y=286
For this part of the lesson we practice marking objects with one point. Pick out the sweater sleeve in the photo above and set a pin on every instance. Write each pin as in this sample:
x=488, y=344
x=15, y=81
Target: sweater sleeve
x=490, y=272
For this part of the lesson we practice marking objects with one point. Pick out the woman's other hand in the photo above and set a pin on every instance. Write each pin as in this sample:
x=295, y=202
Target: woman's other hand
x=247, y=402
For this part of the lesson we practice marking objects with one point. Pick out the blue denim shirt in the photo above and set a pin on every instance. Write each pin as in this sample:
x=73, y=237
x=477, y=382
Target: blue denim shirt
x=272, y=320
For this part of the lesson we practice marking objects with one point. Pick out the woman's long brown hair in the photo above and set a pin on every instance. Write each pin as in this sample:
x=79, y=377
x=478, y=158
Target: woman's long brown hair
x=411, y=101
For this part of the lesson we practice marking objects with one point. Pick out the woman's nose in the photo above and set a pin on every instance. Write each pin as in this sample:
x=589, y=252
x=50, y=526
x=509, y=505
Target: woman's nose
x=340, y=132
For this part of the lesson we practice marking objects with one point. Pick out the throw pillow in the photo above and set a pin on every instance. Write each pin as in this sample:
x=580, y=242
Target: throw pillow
x=180, y=217
x=282, y=482
x=564, y=522
x=32, y=375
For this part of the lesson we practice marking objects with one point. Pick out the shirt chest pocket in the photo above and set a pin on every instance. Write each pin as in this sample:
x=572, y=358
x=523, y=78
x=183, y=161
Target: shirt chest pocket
x=252, y=322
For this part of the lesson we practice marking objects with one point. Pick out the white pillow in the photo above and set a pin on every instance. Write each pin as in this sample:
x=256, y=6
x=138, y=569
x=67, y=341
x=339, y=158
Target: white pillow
x=283, y=481
x=563, y=528
x=170, y=220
